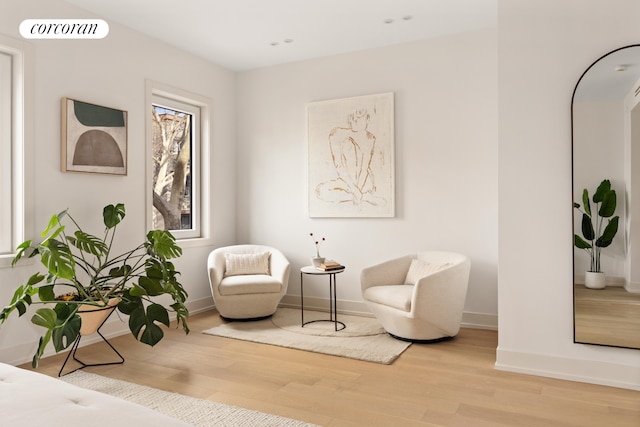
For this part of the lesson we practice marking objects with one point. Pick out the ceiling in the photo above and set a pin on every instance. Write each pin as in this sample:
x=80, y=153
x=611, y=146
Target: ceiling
x=247, y=34
x=611, y=77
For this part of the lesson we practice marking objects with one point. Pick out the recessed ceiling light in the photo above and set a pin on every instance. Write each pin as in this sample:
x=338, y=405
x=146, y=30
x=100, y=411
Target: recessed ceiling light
x=621, y=67
x=407, y=17
x=288, y=41
x=388, y=21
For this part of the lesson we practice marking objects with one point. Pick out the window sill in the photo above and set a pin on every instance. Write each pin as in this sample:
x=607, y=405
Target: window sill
x=5, y=261
x=194, y=242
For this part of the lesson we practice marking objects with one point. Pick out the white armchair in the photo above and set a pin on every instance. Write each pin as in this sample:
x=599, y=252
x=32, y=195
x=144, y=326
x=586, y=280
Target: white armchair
x=247, y=281
x=418, y=297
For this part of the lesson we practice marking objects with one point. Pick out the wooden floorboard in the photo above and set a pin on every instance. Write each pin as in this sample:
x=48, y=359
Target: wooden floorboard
x=609, y=316
x=450, y=383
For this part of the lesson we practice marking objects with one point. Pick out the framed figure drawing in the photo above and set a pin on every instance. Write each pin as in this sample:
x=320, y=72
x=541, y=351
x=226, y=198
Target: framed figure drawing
x=351, y=157
x=93, y=138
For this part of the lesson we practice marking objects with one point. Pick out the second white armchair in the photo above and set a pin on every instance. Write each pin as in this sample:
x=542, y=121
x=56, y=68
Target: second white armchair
x=418, y=297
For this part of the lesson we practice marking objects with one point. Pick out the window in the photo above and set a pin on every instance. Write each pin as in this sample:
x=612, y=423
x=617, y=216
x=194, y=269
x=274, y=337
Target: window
x=178, y=134
x=6, y=150
x=13, y=146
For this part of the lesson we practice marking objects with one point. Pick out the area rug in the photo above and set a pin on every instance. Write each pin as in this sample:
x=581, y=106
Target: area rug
x=197, y=412
x=362, y=339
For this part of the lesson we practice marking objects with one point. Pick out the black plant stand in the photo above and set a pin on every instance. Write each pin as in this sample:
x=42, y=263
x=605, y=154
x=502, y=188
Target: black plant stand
x=76, y=343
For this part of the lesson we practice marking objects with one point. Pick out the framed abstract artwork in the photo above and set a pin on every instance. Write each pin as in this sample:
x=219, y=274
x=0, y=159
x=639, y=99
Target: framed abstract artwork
x=351, y=157
x=93, y=138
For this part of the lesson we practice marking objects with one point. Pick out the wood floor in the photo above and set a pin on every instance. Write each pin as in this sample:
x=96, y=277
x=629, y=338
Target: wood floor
x=446, y=384
x=609, y=316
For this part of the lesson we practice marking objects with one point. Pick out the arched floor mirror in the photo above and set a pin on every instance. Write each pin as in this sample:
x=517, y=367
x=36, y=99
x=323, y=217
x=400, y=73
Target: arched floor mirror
x=605, y=119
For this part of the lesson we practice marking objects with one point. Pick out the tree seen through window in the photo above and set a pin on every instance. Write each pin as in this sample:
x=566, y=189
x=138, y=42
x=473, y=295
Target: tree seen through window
x=172, y=148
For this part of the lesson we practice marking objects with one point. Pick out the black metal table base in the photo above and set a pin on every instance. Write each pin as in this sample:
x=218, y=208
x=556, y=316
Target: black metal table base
x=333, y=314
x=335, y=322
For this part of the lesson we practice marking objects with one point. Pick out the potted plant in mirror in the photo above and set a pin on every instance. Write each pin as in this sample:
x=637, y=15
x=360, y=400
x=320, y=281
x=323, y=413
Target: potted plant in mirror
x=91, y=278
x=596, y=234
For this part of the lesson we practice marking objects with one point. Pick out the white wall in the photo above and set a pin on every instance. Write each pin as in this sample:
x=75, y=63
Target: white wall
x=112, y=72
x=543, y=48
x=445, y=161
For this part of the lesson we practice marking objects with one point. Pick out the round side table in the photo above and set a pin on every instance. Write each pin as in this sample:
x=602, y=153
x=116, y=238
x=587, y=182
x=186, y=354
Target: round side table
x=333, y=314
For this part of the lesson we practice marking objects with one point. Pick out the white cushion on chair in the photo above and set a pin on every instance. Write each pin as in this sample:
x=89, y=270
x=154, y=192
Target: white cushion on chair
x=249, y=284
x=240, y=264
x=396, y=296
x=419, y=269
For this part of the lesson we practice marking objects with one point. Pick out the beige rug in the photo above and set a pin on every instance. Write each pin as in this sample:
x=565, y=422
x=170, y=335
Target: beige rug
x=197, y=412
x=362, y=339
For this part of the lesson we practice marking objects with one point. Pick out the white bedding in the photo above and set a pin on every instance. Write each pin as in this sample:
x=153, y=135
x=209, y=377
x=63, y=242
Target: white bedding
x=31, y=399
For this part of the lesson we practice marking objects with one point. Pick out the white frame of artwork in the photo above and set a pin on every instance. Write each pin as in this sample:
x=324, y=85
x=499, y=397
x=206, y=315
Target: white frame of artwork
x=72, y=130
x=351, y=145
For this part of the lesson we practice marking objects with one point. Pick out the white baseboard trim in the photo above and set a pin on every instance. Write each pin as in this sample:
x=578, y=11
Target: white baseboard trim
x=356, y=308
x=199, y=305
x=587, y=371
x=359, y=308
x=480, y=321
x=613, y=281
x=114, y=327
x=610, y=280
x=632, y=287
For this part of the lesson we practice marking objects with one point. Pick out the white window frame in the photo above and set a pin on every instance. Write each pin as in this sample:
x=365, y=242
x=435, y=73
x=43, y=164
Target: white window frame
x=16, y=198
x=6, y=152
x=171, y=97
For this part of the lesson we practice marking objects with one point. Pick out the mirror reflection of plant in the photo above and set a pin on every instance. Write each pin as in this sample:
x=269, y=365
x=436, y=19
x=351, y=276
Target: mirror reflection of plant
x=83, y=265
x=597, y=236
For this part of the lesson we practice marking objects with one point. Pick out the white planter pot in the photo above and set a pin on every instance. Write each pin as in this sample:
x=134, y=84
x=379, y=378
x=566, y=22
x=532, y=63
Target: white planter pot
x=594, y=280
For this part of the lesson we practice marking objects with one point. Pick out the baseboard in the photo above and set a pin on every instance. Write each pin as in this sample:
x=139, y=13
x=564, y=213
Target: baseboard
x=356, y=308
x=359, y=308
x=613, y=281
x=199, y=305
x=610, y=280
x=587, y=371
x=114, y=327
x=632, y=287
x=480, y=321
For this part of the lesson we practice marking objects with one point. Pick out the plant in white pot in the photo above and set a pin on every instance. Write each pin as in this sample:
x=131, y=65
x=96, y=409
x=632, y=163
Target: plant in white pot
x=83, y=275
x=599, y=227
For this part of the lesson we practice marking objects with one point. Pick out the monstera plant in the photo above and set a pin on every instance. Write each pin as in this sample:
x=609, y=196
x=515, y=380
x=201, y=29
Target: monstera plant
x=599, y=226
x=81, y=271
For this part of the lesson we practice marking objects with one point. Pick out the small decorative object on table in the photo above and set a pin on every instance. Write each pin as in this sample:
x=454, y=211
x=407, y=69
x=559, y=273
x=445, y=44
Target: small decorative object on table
x=330, y=265
x=317, y=260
